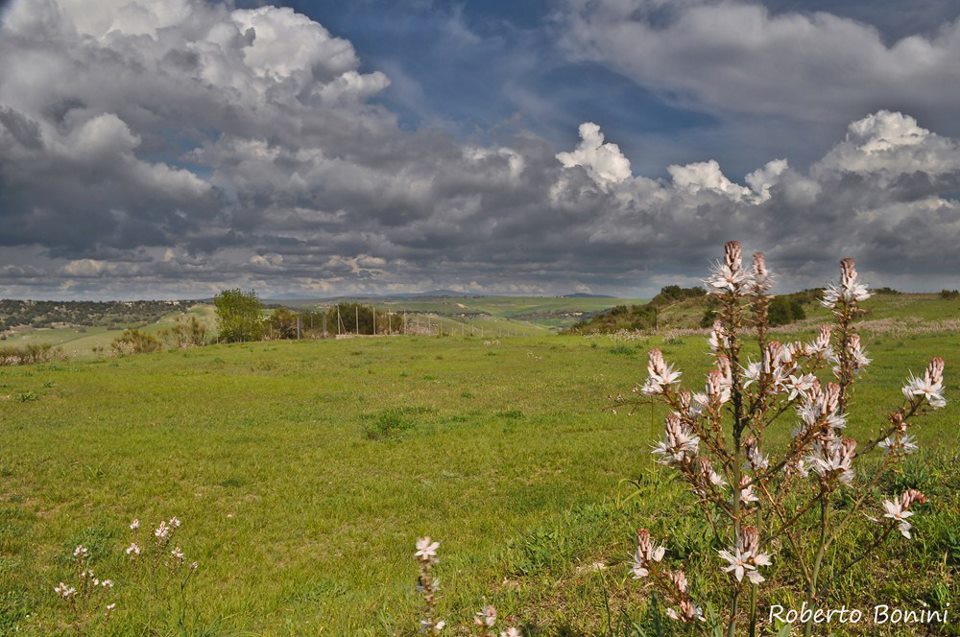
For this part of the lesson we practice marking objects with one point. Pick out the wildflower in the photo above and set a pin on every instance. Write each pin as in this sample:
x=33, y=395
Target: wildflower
x=64, y=591
x=718, y=340
x=427, y=550
x=135, y=524
x=833, y=458
x=194, y=565
x=162, y=532
x=511, y=632
x=660, y=374
x=177, y=554
x=896, y=511
x=800, y=385
x=899, y=444
x=133, y=549
x=820, y=346
x=747, y=494
x=729, y=275
x=758, y=462
x=107, y=583
x=175, y=522
x=850, y=290
x=736, y=563
x=687, y=613
x=752, y=373
x=929, y=386
x=678, y=442
x=646, y=555
x=486, y=617
x=111, y=606
x=718, y=387
x=762, y=279
x=80, y=552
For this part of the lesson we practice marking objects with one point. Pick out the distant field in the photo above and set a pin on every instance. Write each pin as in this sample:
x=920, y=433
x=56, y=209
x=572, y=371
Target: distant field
x=304, y=525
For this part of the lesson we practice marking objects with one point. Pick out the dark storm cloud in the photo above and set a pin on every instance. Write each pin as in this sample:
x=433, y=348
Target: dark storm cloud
x=173, y=148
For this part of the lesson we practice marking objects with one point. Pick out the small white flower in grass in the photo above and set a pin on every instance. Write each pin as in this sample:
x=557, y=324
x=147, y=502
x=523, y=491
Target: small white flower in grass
x=511, y=632
x=440, y=625
x=80, y=552
x=135, y=524
x=133, y=550
x=111, y=607
x=107, y=583
x=895, y=511
x=737, y=563
x=486, y=617
x=175, y=522
x=800, y=385
x=194, y=565
x=177, y=554
x=426, y=549
x=646, y=555
x=64, y=591
x=162, y=532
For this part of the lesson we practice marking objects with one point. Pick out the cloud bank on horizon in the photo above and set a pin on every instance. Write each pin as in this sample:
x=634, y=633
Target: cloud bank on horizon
x=173, y=148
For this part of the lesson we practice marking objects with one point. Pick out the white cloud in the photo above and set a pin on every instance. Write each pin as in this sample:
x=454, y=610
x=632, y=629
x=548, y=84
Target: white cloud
x=603, y=161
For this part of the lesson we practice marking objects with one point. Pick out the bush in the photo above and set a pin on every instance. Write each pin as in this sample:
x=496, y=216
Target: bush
x=135, y=342
x=388, y=424
x=785, y=310
x=949, y=294
x=187, y=332
x=30, y=354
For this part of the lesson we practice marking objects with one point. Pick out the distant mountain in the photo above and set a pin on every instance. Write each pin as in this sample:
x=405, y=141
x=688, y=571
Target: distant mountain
x=586, y=295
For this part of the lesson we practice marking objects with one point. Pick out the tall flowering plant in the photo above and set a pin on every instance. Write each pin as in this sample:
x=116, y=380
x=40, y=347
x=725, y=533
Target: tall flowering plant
x=770, y=502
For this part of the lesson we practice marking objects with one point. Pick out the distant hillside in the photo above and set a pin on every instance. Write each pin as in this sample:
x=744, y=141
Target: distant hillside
x=37, y=314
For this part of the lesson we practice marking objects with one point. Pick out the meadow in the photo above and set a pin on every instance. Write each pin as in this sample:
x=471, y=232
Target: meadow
x=304, y=471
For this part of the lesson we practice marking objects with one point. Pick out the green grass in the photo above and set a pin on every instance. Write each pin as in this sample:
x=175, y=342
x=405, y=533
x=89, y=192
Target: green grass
x=303, y=472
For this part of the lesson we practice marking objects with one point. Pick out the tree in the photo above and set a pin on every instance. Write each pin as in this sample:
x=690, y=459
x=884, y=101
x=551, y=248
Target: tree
x=239, y=315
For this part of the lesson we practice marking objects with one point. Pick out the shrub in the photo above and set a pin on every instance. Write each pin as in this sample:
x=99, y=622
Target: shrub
x=30, y=354
x=388, y=424
x=135, y=342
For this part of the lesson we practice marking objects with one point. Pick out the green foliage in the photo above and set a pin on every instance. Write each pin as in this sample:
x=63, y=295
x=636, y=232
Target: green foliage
x=356, y=318
x=388, y=424
x=949, y=294
x=135, y=342
x=187, y=332
x=239, y=316
x=786, y=309
x=88, y=313
x=674, y=293
x=282, y=323
x=30, y=354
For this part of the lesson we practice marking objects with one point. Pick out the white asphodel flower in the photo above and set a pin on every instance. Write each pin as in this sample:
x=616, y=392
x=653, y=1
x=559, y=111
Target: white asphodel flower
x=896, y=512
x=737, y=563
x=426, y=549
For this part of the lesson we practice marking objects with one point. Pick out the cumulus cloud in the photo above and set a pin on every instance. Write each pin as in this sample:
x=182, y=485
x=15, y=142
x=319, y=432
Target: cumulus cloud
x=175, y=148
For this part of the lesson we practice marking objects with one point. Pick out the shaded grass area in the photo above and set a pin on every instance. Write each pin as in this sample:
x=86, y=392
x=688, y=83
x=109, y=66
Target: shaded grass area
x=303, y=521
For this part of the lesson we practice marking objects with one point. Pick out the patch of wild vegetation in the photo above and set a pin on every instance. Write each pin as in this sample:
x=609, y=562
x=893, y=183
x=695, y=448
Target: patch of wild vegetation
x=187, y=332
x=30, y=354
x=14, y=313
x=786, y=514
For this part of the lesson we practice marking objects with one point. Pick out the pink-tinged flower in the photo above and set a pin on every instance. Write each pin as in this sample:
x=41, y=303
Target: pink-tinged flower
x=64, y=591
x=678, y=442
x=660, y=375
x=800, y=385
x=511, y=632
x=903, y=444
x=175, y=522
x=486, y=617
x=718, y=340
x=929, y=386
x=80, y=552
x=426, y=550
x=718, y=387
x=752, y=373
x=135, y=524
x=646, y=554
x=820, y=346
x=899, y=514
x=679, y=580
x=850, y=290
x=107, y=583
x=177, y=554
x=133, y=550
x=162, y=532
x=757, y=461
x=833, y=458
x=687, y=612
x=111, y=607
x=728, y=275
x=762, y=279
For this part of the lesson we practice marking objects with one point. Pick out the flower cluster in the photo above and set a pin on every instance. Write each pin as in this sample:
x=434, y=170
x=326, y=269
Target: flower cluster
x=850, y=290
x=427, y=584
x=746, y=487
x=928, y=387
x=746, y=558
x=84, y=598
x=648, y=562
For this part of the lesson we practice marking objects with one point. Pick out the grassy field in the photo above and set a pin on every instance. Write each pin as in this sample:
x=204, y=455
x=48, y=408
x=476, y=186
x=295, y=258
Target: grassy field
x=303, y=472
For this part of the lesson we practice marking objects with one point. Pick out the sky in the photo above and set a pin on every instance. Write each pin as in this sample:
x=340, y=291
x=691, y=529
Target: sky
x=172, y=148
